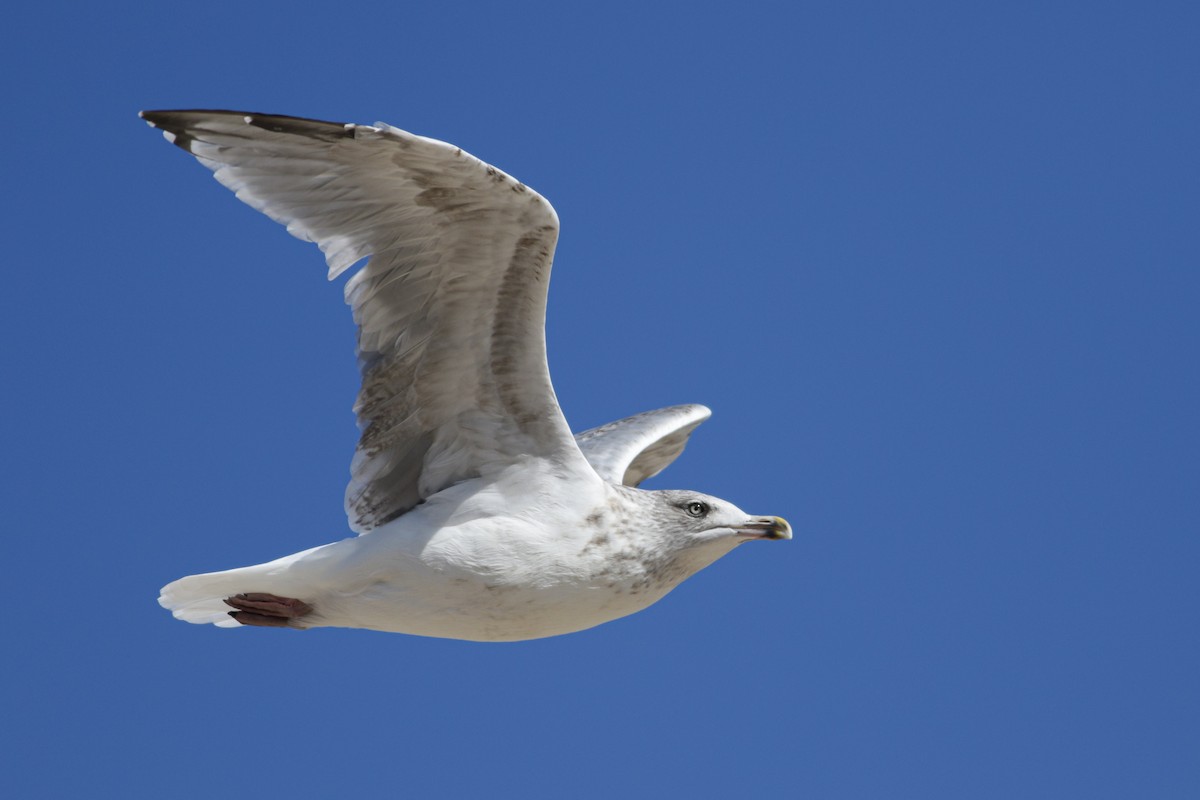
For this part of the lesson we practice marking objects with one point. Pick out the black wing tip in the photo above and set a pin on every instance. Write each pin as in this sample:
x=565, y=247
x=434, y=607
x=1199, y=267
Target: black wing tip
x=178, y=121
x=156, y=119
x=172, y=124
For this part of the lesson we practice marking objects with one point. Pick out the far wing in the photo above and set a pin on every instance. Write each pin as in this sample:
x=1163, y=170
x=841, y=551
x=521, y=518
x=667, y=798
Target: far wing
x=633, y=449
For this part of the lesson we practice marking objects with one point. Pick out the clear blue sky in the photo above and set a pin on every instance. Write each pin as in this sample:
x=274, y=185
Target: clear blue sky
x=935, y=269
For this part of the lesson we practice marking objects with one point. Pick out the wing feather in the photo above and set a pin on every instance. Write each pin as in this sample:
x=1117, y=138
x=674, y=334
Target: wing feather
x=633, y=449
x=450, y=306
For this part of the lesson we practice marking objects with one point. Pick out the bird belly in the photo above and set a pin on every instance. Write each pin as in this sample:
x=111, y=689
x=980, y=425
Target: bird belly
x=460, y=608
x=472, y=581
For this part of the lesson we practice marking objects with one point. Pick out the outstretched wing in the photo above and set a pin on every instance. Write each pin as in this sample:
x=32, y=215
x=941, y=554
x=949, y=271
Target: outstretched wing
x=450, y=307
x=633, y=449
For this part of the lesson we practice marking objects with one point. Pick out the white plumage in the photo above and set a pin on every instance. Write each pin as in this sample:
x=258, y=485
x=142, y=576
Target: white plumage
x=480, y=516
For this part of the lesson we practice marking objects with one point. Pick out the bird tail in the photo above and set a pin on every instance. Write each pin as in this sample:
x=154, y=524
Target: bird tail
x=201, y=598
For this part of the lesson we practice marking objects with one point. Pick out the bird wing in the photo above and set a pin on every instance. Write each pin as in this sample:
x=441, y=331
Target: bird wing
x=450, y=306
x=633, y=449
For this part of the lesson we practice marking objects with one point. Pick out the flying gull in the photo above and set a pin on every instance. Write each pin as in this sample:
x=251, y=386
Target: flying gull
x=479, y=515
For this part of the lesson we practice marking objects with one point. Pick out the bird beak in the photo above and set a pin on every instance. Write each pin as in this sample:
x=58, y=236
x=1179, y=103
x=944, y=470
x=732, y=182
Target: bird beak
x=765, y=528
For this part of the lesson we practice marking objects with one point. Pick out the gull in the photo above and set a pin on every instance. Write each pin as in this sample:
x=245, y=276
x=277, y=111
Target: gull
x=478, y=514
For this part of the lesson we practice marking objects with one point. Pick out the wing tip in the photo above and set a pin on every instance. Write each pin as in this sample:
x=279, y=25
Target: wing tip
x=173, y=133
x=181, y=126
x=694, y=411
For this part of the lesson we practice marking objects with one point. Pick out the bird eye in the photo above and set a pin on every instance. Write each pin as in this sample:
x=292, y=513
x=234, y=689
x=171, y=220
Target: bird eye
x=696, y=509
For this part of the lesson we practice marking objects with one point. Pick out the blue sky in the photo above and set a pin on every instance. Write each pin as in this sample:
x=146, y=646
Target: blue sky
x=934, y=268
